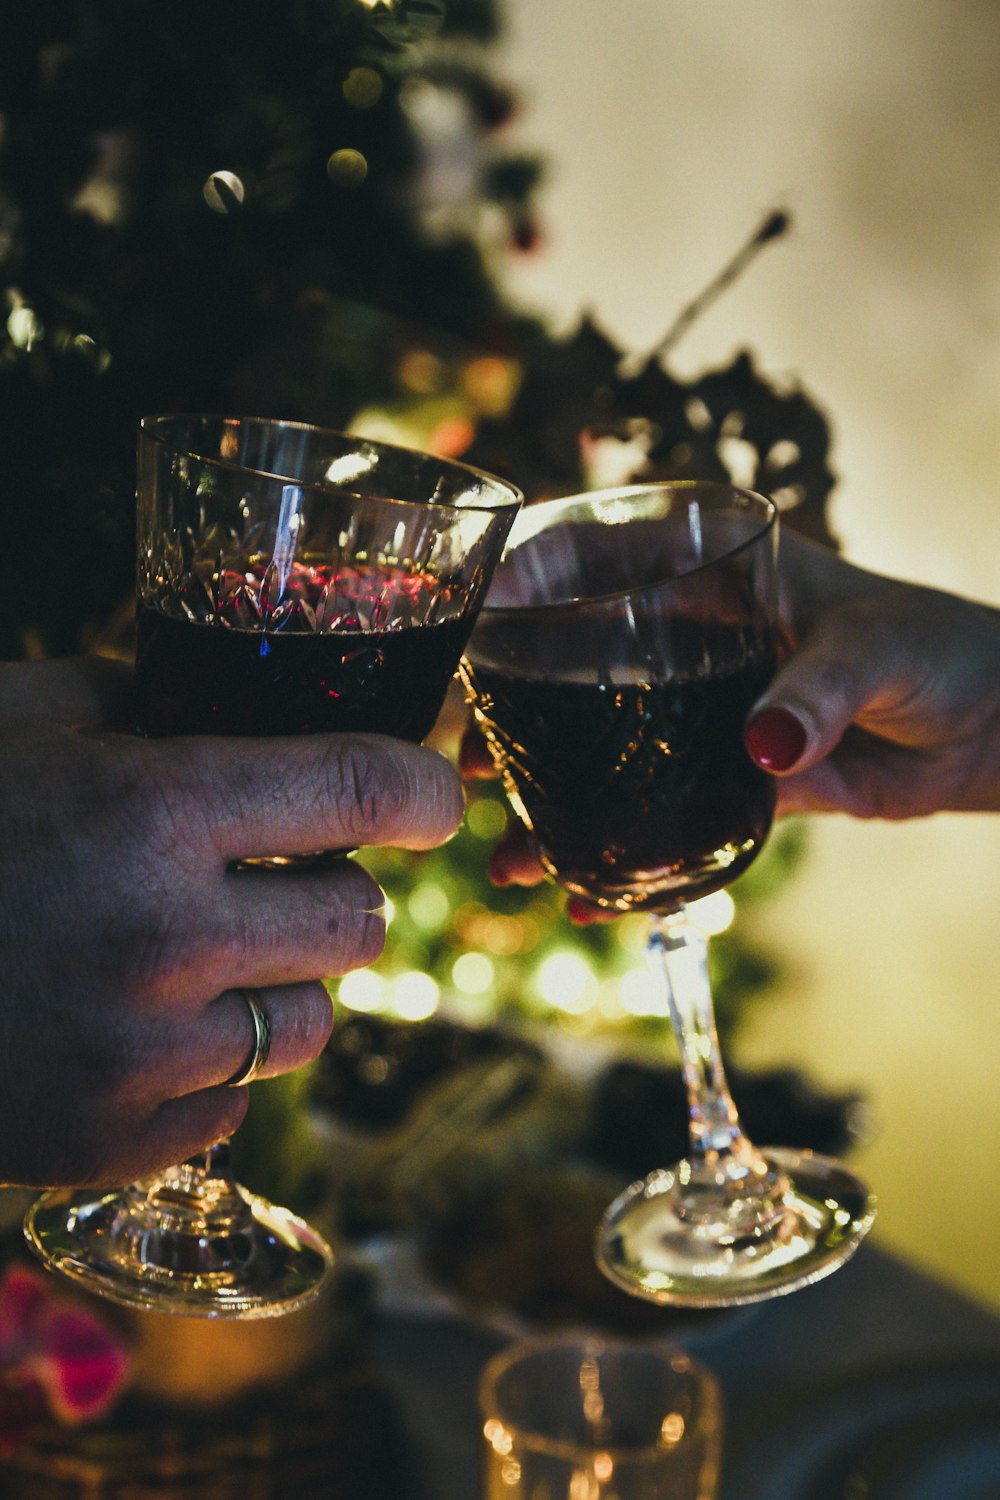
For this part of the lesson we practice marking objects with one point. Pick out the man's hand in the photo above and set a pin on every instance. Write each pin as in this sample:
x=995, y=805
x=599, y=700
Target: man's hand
x=127, y=933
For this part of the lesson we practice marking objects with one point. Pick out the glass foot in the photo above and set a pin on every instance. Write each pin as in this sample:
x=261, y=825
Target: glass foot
x=651, y=1250
x=158, y=1246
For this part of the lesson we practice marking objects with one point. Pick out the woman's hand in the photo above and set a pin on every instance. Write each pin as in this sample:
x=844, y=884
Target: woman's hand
x=127, y=934
x=888, y=703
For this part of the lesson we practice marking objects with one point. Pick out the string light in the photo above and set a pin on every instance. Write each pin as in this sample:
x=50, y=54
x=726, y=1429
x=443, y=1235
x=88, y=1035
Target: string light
x=362, y=88
x=640, y=995
x=363, y=990
x=223, y=192
x=428, y=905
x=415, y=996
x=473, y=973
x=24, y=326
x=347, y=168
x=713, y=914
x=565, y=981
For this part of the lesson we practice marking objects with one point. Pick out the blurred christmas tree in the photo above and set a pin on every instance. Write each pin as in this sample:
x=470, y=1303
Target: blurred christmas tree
x=225, y=206
x=301, y=210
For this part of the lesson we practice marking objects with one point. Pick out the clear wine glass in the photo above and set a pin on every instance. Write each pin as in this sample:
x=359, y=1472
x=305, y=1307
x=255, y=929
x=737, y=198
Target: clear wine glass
x=290, y=580
x=625, y=638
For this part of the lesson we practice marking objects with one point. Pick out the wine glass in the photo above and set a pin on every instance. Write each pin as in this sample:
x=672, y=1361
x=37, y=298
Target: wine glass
x=625, y=638
x=290, y=580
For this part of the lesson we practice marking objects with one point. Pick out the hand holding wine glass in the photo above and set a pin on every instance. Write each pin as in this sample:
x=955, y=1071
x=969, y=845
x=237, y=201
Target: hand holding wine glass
x=886, y=702
x=292, y=581
x=128, y=938
x=626, y=638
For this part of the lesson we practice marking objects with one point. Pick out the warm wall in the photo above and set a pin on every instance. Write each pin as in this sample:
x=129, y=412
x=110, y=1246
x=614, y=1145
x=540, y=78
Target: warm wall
x=671, y=127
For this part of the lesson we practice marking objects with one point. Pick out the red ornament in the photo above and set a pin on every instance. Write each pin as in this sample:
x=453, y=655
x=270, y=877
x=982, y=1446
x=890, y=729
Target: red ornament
x=54, y=1355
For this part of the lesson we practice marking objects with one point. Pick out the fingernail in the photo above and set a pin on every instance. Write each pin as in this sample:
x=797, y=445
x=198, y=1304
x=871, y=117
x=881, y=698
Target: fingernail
x=474, y=759
x=775, y=738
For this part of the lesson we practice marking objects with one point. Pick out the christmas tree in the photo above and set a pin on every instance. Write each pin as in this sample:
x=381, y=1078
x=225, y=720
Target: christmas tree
x=303, y=211
x=221, y=207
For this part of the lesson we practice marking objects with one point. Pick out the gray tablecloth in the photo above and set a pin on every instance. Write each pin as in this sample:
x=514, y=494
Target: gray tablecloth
x=809, y=1381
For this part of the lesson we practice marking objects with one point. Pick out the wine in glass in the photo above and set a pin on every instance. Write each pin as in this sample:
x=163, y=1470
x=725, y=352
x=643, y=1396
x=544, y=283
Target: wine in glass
x=625, y=638
x=291, y=580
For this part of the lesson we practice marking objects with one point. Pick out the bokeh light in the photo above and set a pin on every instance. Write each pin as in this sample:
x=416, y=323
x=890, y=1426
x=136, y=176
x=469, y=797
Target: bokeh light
x=473, y=973
x=347, y=168
x=564, y=980
x=223, y=192
x=362, y=88
x=713, y=914
x=415, y=995
x=24, y=326
x=362, y=990
x=428, y=905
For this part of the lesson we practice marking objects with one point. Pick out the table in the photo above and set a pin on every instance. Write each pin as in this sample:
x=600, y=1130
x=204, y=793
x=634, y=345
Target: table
x=857, y=1346
x=879, y=1366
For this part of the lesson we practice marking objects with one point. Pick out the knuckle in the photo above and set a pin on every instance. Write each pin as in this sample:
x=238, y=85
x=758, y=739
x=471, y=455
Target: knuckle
x=153, y=946
x=163, y=818
x=366, y=785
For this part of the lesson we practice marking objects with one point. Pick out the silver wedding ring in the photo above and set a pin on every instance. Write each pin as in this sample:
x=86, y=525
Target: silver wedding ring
x=261, y=1048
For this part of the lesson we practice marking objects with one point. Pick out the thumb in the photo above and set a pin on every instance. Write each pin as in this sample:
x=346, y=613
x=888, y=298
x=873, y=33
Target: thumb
x=835, y=674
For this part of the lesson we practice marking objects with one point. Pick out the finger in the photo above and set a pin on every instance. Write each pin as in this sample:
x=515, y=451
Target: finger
x=259, y=927
x=835, y=675
x=515, y=860
x=583, y=913
x=300, y=1020
x=474, y=759
x=867, y=778
x=295, y=795
x=217, y=1043
x=177, y=1130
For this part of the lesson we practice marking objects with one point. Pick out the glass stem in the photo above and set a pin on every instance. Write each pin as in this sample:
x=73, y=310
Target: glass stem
x=724, y=1176
x=203, y=1185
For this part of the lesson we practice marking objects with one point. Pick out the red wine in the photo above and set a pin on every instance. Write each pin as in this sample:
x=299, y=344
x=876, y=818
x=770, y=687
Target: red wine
x=641, y=795
x=228, y=674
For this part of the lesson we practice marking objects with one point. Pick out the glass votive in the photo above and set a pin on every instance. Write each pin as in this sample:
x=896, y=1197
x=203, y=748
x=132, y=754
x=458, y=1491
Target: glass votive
x=573, y=1417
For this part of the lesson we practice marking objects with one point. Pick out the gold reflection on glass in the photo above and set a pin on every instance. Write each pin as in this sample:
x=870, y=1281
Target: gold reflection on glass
x=496, y=1434
x=604, y=1467
x=671, y=1429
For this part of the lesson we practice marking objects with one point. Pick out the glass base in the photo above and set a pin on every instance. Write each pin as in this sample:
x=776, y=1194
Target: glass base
x=651, y=1250
x=148, y=1248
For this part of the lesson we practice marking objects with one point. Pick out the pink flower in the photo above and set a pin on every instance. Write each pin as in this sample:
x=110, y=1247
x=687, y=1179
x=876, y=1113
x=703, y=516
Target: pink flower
x=56, y=1350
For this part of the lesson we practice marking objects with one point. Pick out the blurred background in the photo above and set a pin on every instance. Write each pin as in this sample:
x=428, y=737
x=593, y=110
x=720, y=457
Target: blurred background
x=466, y=226
x=668, y=128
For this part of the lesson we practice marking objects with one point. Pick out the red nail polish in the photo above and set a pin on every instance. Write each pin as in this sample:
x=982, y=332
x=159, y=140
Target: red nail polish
x=775, y=738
